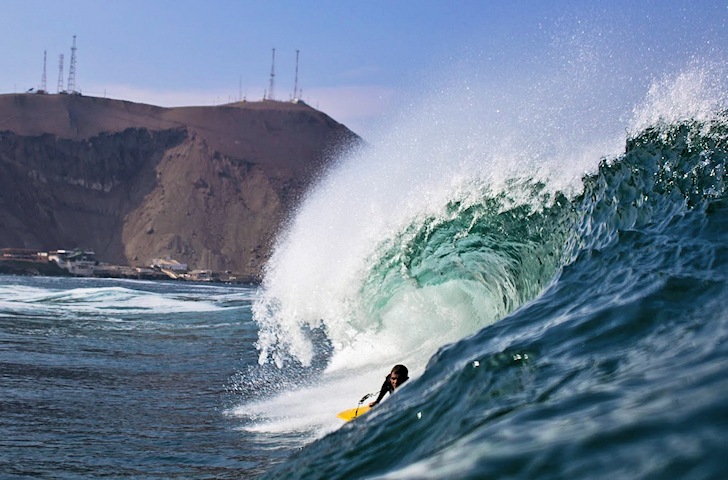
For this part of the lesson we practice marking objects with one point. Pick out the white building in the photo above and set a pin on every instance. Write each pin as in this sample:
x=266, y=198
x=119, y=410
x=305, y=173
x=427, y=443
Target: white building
x=78, y=262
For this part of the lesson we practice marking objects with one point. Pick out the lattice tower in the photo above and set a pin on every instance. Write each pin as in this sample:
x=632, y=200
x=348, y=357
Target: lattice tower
x=72, y=69
x=60, y=74
x=271, y=87
x=43, y=80
x=295, y=83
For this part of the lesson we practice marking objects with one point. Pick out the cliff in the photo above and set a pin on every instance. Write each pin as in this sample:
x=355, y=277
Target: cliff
x=208, y=186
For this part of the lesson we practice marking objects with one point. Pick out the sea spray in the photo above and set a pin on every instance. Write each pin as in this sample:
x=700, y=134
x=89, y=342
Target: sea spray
x=676, y=148
x=693, y=94
x=464, y=150
x=369, y=282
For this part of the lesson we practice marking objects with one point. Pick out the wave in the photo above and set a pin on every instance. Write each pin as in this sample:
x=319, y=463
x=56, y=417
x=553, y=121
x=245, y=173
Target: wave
x=474, y=234
x=666, y=170
x=452, y=272
x=553, y=321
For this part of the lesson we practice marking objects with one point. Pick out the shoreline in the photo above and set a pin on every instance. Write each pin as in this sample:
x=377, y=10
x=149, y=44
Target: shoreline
x=52, y=269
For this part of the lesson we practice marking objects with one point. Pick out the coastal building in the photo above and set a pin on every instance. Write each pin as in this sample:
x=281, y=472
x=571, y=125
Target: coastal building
x=201, y=276
x=172, y=268
x=78, y=262
x=169, y=264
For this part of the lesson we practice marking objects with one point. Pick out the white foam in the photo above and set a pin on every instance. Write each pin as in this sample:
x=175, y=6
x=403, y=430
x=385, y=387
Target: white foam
x=101, y=300
x=312, y=410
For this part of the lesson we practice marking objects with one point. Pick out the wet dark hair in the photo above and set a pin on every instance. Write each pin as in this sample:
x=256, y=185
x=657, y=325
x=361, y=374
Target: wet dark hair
x=401, y=372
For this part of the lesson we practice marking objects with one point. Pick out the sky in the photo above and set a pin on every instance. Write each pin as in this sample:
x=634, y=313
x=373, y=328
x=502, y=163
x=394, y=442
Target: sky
x=359, y=60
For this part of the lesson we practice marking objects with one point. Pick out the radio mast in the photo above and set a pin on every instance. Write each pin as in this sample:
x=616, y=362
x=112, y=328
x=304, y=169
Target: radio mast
x=271, y=87
x=72, y=69
x=42, y=88
x=60, y=73
x=295, y=83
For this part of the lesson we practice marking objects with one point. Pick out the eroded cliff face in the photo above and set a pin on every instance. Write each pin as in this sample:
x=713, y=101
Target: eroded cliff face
x=209, y=210
x=208, y=186
x=63, y=193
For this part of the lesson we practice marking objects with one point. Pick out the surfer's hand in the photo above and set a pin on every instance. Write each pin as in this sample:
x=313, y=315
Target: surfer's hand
x=372, y=404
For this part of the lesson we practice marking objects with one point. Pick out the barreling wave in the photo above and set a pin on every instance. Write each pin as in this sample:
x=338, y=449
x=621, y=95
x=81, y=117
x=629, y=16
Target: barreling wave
x=469, y=266
x=634, y=314
x=461, y=266
x=441, y=275
x=482, y=224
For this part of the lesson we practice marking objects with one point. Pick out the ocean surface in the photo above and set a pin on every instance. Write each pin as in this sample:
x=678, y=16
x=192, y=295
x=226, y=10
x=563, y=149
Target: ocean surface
x=123, y=379
x=561, y=302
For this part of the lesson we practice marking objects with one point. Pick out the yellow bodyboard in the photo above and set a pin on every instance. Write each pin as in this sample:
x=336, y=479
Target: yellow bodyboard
x=351, y=414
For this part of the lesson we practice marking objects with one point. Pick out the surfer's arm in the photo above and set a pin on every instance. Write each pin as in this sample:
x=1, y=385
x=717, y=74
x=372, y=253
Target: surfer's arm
x=382, y=392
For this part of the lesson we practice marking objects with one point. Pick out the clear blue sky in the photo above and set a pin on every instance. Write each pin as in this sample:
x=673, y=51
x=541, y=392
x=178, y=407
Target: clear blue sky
x=358, y=58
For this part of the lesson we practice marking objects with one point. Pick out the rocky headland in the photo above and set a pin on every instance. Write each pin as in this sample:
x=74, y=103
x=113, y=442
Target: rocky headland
x=207, y=186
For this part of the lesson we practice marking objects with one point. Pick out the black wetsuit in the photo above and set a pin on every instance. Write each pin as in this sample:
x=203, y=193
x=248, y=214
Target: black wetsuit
x=386, y=388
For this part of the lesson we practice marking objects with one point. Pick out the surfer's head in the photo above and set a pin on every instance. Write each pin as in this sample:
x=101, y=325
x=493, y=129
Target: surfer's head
x=398, y=376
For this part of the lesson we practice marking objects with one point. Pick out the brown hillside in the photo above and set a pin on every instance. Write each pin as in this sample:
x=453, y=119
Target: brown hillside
x=208, y=186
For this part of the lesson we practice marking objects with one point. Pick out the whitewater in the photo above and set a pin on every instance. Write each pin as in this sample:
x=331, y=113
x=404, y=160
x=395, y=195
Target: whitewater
x=552, y=272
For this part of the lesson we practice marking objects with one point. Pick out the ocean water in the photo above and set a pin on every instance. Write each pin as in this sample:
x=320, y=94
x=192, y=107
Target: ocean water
x=559, y=294
x=122, y=379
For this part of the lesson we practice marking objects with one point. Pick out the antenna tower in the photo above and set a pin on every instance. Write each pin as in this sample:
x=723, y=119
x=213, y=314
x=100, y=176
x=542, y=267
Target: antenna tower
x=43, y=79
x=295, y=83
x=271, y=95
x=72, y=69
x=60, y=73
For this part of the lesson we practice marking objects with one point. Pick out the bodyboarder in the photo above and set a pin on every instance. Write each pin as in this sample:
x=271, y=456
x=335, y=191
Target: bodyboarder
x=395, y=379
